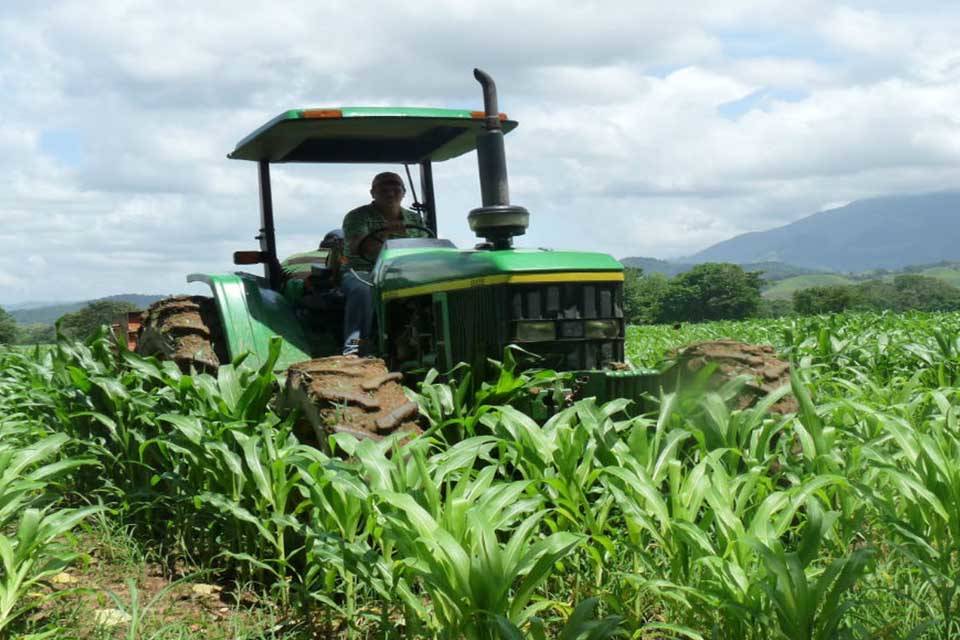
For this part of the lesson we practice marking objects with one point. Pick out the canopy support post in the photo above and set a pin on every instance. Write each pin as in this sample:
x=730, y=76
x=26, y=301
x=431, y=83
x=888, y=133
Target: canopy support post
x=429, y=200
x=268, y=234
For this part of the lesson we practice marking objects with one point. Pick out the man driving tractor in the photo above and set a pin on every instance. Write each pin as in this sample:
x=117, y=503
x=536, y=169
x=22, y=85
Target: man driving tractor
x=365, y=229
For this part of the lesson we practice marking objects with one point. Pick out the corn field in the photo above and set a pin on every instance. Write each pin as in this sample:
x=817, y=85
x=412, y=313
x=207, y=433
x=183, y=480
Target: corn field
x=694, y=521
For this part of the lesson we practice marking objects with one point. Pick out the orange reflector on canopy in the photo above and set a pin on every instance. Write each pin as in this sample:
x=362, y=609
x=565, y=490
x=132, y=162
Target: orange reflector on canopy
x=322, y=113
x=480, y=115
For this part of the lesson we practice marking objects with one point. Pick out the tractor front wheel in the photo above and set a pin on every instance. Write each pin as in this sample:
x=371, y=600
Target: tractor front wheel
x=348, y=394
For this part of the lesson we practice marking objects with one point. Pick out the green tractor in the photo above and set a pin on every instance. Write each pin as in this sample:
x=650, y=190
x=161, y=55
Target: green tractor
x=436, y=305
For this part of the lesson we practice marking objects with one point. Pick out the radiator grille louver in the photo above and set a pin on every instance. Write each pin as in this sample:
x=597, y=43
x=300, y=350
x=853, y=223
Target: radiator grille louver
x=476, y=326
x=482, y=321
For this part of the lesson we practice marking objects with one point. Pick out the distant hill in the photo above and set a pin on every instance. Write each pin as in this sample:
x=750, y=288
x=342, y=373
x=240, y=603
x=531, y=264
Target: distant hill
x=653, y=265
x=50, y=314
x=772, y=271
x=775, y=271
x=32, y=304
x=879, y=233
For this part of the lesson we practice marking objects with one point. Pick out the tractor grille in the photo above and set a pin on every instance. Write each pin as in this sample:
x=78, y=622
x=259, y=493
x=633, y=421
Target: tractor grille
x=476, y=325
x=484, y=320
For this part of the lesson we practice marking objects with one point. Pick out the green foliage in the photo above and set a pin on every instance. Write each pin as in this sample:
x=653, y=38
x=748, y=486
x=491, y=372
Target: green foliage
x=36, y=333
x=711, y=291
x=832, y=299
x=8, y=328
x=86, y=321
x=906, y=293
x=774, y=308
x=925, y=293
x=30, y=533
x=643, y=296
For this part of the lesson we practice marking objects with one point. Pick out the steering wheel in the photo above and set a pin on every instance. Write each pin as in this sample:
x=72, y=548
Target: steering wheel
x=377, y=236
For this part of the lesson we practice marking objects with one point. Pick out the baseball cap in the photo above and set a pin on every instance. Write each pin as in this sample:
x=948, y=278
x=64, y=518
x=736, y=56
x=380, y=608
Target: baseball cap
x=387, y=176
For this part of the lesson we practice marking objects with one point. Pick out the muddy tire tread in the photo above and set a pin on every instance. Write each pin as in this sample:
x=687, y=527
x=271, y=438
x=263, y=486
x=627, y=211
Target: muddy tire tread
x=185, y=330
x=346, y=394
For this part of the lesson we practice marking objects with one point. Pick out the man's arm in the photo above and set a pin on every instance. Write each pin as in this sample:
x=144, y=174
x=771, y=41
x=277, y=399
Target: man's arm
x=354, y=229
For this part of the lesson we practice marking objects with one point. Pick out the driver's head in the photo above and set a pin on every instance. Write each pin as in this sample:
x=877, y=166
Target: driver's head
x=387, y=190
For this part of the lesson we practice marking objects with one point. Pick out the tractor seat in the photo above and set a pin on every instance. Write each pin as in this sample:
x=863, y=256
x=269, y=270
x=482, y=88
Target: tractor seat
x=316, y=289
x=311, y=281
x=312, y=278
x=299, y=265
x=322, y=289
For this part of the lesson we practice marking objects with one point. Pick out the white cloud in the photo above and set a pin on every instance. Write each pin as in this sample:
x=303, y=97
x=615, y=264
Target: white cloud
x=624, y=144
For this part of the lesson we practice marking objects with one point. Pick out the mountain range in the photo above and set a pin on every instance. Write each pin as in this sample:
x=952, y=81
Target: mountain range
x=888, y=232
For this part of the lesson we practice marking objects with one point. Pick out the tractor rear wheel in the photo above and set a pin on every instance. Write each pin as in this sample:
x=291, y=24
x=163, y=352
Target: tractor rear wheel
x=186, y=330
x=348, y=394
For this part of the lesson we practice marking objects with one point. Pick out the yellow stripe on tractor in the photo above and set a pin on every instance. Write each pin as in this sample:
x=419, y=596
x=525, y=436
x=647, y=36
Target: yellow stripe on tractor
x=504, y=278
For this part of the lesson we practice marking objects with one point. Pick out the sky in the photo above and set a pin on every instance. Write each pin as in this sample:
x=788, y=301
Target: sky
x=647, y=128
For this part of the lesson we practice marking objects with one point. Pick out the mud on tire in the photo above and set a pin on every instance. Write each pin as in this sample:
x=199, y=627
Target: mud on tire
x=186, y=330
x=347, y=394
x=760, y=363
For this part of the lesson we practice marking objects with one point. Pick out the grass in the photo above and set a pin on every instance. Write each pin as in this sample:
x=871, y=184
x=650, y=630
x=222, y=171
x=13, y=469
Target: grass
x=117, y=578
x=783, y=289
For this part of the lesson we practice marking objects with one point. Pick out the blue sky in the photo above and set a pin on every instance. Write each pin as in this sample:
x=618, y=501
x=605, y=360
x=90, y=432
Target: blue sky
x=646, y=128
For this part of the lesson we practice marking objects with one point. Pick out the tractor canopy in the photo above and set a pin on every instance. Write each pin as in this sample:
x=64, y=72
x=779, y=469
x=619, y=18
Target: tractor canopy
x=366, y=135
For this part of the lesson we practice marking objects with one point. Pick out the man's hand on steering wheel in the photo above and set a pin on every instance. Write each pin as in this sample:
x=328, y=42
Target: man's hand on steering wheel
x=369, y=245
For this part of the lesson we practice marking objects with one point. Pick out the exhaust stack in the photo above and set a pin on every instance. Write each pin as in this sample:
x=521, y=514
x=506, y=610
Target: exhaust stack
x=497, y=221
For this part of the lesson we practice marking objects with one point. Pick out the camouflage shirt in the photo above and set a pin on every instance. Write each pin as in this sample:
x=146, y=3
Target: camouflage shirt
x=366, y=219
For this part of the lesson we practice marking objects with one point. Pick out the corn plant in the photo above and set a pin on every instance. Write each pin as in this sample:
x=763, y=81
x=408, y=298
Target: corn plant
x=33, y=552
x=700, y=521
x=922, y=505
x=455, y=403
x=809, y=604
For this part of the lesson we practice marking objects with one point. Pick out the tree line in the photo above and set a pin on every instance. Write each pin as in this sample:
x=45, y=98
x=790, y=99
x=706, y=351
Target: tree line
x=710, y=291
x=721, y=291
x=905, y=293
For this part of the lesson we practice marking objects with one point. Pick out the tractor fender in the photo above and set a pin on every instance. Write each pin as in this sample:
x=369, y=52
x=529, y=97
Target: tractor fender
x=251, y=313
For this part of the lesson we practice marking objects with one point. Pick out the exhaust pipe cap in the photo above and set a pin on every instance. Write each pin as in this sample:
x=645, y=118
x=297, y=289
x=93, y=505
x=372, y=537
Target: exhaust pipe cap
x=498, y=224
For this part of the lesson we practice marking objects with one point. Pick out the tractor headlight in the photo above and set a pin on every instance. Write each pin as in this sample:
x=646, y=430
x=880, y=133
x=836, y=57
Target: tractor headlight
x=602, y=329
x=535, y=331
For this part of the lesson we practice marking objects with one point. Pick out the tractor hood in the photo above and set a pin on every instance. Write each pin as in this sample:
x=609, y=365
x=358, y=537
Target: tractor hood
x=366, y=135
x=404, y=272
